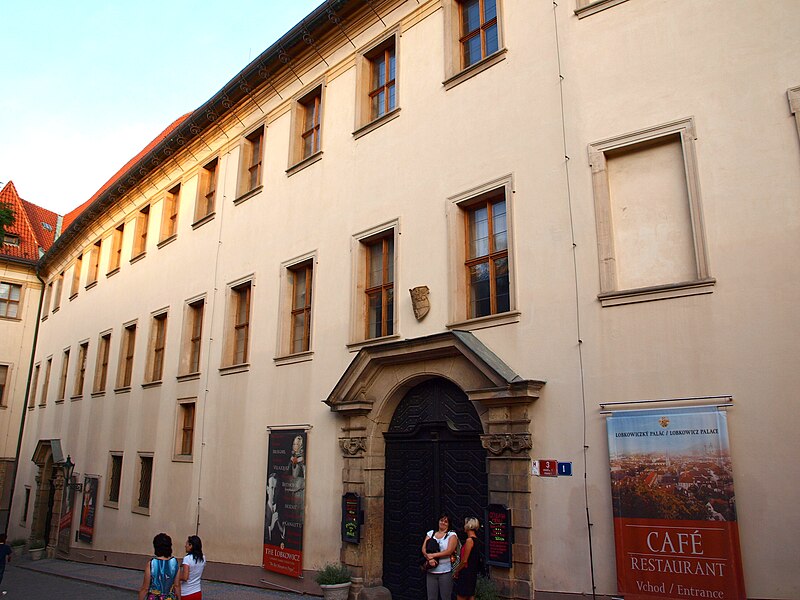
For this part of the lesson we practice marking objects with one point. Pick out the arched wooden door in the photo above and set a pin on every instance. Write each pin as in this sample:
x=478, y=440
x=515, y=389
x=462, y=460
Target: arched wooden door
x=434, y=463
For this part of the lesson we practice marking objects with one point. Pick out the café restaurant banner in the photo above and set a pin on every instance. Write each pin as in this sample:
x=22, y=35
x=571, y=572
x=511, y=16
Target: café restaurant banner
x=675, y=526
x=285, y=506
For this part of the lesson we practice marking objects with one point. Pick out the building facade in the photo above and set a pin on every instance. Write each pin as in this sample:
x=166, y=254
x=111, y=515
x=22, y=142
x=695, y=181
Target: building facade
x=25, y=239
x=438, y=239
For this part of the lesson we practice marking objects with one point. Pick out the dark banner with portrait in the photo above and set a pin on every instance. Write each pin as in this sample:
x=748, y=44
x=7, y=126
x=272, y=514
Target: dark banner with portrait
x=86, y=527
x=285, y=506
x=675, y=527
x=65, y=519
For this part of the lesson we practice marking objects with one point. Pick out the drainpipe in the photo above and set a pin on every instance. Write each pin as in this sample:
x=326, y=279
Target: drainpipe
x=25, y=403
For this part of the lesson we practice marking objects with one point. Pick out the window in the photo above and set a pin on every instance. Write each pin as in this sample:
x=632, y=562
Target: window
x=57, y=291
x=207, y=190
x=34, y=387
x=94, y=264
x=116, y=249
x=125, y=370
x=379, y=286
x=184, y=434
x=169, y=214
x=307, y=128
x=48, y=293
x=311, y=108
x=10, y=295
x=238, y=320
x=192, y=337
x=80, y=373
x=101, y=366
x=11, y=239
x=62, y=380
x=144, y=484
x=383, y=67
x=250, y=169
x=140, y=236
x=158, y=341
x=46, y=386
x=301, y=277
x=25, y=506
x=473, y=38
x=76, y=276
x=651, y=245
x=478, y=30
x=114, y=479
x=5, y=382
x=480, y=225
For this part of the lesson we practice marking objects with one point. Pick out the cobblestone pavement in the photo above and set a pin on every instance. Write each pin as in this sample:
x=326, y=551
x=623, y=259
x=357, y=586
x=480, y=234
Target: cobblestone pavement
x=50, y=578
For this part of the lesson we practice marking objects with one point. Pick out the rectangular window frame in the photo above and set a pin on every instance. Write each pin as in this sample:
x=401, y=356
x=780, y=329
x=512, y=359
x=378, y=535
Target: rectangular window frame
x=64, y=376
x=116, y=463
x=309, y=102
x=157, y=347
x=207, y=181
x=94, y=263
x=359, y=308
x=366, y=119
x=457, y=215
x=77, y=267
x=80, y=371
x=251, y=163
x=456, y=72
x=140, y=233
x=57, y=291
x=610, y=294
x=192, y=337
x=170, y=210
x=143, y=490
x=8, y=303
x=46, y=385
x=286, y=351
x=127, y=351
x=238, y=325
x=185, y=429
x=6, y=370
x=115, y=260
x=101, y=363
x=34, y=387
x=48, y=293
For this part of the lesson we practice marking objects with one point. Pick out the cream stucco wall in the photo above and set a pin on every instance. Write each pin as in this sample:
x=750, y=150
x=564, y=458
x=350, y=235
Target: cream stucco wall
x=636, y=65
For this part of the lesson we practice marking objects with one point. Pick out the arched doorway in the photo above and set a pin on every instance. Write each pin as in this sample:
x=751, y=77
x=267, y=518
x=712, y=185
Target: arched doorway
x=434, y=463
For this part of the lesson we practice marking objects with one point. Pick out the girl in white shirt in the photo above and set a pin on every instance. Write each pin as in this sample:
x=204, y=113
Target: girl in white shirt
x=192, y=569
x=439, y=578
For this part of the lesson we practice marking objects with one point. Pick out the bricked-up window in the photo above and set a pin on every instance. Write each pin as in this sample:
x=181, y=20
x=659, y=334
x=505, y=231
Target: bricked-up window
x=48, y=293
x=80, y=373
x=48, y=367
x=383, y=67
x=241, y=323
x=208, y=190
x=26, y=505
x=76, y=276
x=140, y=236
x=10, y=295
x=192, y=337
x=101, y=366
x=125, y=370
x=185, y=433
x=34, y=387
x=116, y=248
x=169, y=215
x=311, y=110
x=144, y=488
x=62, y=381
x=487, y=257
x=59, y=288
x=379, y=286
x=94, y=262
x=478, y=30
x=158, y=342
x=301, y=306
x=5, y=379
x=114, y=478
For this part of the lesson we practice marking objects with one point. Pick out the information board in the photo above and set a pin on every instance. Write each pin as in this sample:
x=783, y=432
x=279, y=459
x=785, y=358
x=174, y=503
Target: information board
x=351, y=518
x=499, y=535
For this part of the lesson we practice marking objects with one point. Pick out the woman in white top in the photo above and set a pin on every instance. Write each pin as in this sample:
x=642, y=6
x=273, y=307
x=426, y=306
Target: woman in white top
x=192, y=569
x=439, y=577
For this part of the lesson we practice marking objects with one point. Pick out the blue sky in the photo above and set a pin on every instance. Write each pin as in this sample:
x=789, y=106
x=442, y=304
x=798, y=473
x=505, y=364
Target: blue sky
x=85, y=85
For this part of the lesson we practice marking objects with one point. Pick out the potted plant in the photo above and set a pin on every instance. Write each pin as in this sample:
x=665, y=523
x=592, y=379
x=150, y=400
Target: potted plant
x=486, y=589
x=335, y=580
x=17, y=546
x=36, y=549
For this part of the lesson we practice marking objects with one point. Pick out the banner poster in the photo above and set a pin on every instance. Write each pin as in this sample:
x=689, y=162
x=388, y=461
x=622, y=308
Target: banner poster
x=285, y=506
x=86, y=527
x=65, y=519
x=675, y=526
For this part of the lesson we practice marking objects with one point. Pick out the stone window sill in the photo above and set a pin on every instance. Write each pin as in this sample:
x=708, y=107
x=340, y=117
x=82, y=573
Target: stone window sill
x=472, y=70
x=657, y=292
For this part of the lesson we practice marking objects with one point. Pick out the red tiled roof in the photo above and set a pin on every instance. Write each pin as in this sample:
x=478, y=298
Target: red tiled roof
x=29, y=225
x=73, y=214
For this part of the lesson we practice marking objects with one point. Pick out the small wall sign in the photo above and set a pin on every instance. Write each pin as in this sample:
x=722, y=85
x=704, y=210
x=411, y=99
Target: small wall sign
x=499, y=535
x=352, y=518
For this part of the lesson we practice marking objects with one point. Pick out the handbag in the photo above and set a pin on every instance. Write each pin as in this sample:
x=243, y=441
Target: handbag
x=431, y=546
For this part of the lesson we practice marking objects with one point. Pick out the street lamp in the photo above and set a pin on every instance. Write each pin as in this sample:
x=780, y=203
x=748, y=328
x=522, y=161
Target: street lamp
x=68, y=468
